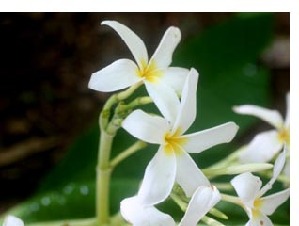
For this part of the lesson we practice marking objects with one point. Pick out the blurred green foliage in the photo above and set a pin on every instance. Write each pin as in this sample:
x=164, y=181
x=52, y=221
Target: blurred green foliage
x=226, y=56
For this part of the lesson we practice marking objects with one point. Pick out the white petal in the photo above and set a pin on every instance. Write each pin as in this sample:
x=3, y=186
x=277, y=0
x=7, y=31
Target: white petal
x=13, y=221
x=158, y=179
x=165, y=99
x=189, y=177
x=258, y=221
x=247, y=186
x=278, y=166
x=139, y=215
x=271, y=202
x=175, y=77
x=163, y=54
x=187, y=110
x=271, y=116
x=287, y=119
x=262, y=148
x=286, y=169
x=146, y=127
x=200, y=141
x=135, y=44
x=201, y=203
x=118, y=75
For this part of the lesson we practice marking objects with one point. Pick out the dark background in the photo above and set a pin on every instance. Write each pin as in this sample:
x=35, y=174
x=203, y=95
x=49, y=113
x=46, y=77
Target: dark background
x=46, y=62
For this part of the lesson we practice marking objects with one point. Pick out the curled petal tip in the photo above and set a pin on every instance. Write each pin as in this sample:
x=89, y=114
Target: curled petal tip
x=176, y=32
x=107, y=22
x=235, y=108
x=232, y=129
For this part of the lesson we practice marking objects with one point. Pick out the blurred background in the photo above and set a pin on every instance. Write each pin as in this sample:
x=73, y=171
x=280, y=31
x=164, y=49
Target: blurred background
x=46, y=62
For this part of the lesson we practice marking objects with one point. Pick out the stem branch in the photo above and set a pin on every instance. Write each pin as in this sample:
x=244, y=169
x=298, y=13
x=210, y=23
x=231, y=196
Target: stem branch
x=138, y=145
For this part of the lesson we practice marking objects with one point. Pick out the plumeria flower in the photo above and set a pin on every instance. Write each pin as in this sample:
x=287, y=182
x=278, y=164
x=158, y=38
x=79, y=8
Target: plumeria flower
x=172, y=162
x=248, y=188
x=162, y=82
x=139, y=214
x=266, y=144
x=13, y=221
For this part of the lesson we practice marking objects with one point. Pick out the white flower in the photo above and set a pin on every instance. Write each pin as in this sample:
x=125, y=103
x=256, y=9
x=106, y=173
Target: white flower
x=248, y=188
x=202, y=201
x=13, y=221
x=266, y=144
x=139, y=214
x=172, y=162
x=162, y=82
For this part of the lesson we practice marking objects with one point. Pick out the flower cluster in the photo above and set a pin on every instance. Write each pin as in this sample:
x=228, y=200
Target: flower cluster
x=266, y=145
x=174, y=90
x=248, y=188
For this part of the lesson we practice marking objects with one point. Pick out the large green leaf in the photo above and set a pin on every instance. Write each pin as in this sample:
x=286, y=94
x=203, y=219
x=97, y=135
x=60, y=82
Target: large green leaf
x=226, y=56
x=73, y=200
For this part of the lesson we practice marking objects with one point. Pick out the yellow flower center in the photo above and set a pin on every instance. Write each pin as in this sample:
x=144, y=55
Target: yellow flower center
x=256, y=208
x=149, y=71
x=284, y=135
x=174, y=142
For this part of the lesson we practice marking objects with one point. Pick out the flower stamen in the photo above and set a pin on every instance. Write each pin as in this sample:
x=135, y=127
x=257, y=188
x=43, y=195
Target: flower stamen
x=256, y=208
x=149, y=71
x=173, y=143
x=284, y=135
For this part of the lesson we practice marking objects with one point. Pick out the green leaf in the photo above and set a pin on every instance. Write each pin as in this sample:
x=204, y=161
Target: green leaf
x=72, y=201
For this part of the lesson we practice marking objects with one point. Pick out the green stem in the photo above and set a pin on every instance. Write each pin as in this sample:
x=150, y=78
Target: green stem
x=138, y=145
x=178, y=200
x=232, y=199
x=108, y=132
x=217, y=213
x=114, y=99
x=109, y=128
x=211, y=221
x=233, y=157
x=237, y=169
x=103, y=178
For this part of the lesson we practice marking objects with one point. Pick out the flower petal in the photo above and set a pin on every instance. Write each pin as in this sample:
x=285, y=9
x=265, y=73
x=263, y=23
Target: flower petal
x=13, y=221
x=271, y=116
x=262, y=148
x=247, y=186
x=146, y=127
x=158, y=179
x=271, y=202
x=202, y=140
x=261, y=220
x=118, y=75
x=286, y=169
x=135, y=44
x=175, y=77
x=187, y=110
x=165, y=99
x=163, y=55
x=139, y=215
x=278, y=166
x=185, y=168
x=200, y=204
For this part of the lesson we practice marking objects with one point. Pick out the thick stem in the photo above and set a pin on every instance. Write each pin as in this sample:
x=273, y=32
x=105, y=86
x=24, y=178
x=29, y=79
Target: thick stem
x=108, y=132
x=103, y=178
